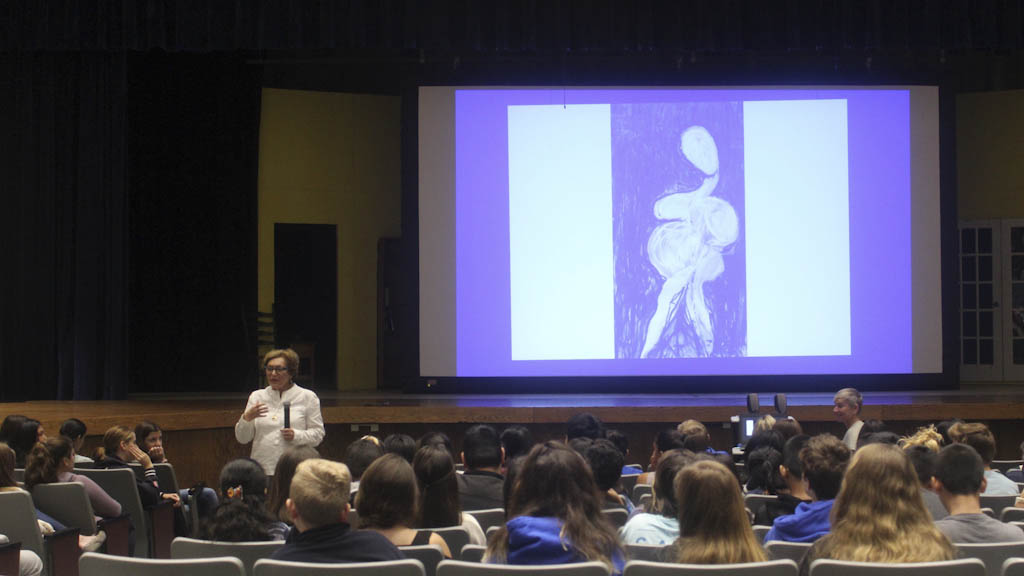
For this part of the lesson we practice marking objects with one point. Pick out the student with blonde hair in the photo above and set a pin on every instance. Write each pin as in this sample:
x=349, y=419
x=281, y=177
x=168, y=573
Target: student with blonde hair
x=713, y=523
x=318, y=503
x=879, y=515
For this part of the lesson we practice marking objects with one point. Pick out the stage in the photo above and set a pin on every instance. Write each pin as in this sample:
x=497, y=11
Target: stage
x=199, y=436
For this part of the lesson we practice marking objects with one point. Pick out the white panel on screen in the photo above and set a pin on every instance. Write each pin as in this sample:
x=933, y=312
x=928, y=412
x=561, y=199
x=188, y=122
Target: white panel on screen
x=798, y=228
x=560, y=232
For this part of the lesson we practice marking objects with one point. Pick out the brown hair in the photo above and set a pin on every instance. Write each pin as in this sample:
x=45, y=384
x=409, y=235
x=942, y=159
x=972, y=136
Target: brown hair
x=713, y=523
x=789, y=427
x=283, y=473
x=671, y=463
x=291, y=359
x=977, y=436
x=880, y=516
x=112, y=440
x=320, y=491
x=44, y=459
x=6, y=466
x=555, y=481
x=387, y=494
x=439, y=488
x=824, y=460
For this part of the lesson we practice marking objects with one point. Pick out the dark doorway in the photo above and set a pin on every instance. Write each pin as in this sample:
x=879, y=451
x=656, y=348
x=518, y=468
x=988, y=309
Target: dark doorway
x=306, y=298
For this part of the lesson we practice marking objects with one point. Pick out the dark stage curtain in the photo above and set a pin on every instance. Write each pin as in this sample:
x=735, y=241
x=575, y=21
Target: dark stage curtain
x=62, y=174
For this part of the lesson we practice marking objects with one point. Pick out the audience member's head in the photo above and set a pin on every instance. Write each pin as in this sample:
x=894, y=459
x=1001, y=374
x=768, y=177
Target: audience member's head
x=883, y=437
x=512, y=468
x=555, y=481
x=242, y=514
x=359, y=455
x=696, y=443
x=387, y=494
x=319, y=494
x=824, y=459
x=116, y=443
x=713, y=523
x=150, y=437
x=584, y=425
x=791, y=470
x=667, y=439
x=772, y=438
x=926, y=436
x=439, y=504
x=74, y=429
x=283, y=473
x=12, y=423
x=846, y=405
x=47, y=459
x=763, y=471
x=605, y=462
x=619, y=439
x=517, y=441
x=580, y=444
x=7, y=466
x=922, y=459
x=664, y=492
x=764, y=424
x=871, y=427
x=26, y=436
x=789, y=427
x=959, y=470
x=401, y=444
x=879, y=515
x=435, y=438
x=481, y=448
x=977, y=436
x=943, y=429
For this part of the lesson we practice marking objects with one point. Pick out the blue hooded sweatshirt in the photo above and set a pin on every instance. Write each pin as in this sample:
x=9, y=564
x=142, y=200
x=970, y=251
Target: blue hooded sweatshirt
x=537, y=540
x=807, y=524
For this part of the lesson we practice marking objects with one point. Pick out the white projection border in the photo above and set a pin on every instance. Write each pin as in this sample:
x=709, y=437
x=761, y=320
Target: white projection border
x=560, y=232
x=798, y=228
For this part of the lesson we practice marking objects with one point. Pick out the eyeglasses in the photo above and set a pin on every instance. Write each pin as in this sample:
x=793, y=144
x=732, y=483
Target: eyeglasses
x=276, y=369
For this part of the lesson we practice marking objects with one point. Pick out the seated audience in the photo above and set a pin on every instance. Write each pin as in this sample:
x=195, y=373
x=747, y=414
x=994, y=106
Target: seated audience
x=879, y=515
x=922, y=459
x=873, y=427
x=512, y=468
x=517, y=441
x=584, y=425
x=401, y=444
x=696, y=437
x=977, y=436
x=959, y=481
x=47, y=525
x=882, y=437
x=481, y=481
x=387, y=501
x=772, y=438
x=713, y=523
x=926, y=436
x=11, y=424
x=666, y=440
x=282, y=481
x=555, y=515
x=763, y=471
x=764, y=424
x=435, y=438
x=824, y=460
x=75, y=429
x=943, y=429
x=789, y=427
x=26, y=436
x=358, y=457
x=791, y=472
x=439, y=505
x=621, y=441
x=846, y=408
x=580, y=445
x=119, y=448
x=54, y=462
x=318, y=506
x=605, y=463
x=151, y=440
x=242, y=514
x=659, y=525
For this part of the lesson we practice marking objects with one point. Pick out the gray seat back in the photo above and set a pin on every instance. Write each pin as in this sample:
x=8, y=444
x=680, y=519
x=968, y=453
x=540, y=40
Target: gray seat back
x=760, y=532
x=767, y=568
x=119, y=483
x=489, y=517
x=997, y=503
x=166, y=477
x=755, y=502
x=779, y=550
x=454, y=536
x=247, y=552
x=646, y=552
x=68, y=503
x=430, y=555
x=962, y=567
x=1013, y=567
x=1004, y=465
x=473, y=553
x=628, y=482
x=993, y=555
x=458, y=568
x=92, y=564
x=641, y=489
x=407, y=567
x=618, y=516
x=18, y=521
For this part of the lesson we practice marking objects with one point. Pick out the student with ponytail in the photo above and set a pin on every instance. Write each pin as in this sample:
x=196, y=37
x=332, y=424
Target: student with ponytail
x=53, y=462
x=242, y=514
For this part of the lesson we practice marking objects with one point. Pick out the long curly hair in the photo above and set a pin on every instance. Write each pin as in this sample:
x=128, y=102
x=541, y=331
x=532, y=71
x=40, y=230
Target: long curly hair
x=879, y=515
x=44, y=460
x=713, y=523
x=555, y=481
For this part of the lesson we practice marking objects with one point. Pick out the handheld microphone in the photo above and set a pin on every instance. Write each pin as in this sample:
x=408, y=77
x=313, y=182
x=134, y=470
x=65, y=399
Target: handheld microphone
x=287, y=414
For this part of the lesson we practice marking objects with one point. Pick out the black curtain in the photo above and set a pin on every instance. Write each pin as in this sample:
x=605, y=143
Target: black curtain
x=62, y=174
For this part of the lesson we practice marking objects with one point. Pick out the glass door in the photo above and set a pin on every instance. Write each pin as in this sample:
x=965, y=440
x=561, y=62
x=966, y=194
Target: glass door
x=1013, y=295
x=981, y=346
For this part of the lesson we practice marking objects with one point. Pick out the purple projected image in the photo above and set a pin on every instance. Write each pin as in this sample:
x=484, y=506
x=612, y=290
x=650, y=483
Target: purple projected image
x=677, y=185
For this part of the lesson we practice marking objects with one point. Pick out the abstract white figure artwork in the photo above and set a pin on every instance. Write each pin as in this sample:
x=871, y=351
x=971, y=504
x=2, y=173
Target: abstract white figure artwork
x=687, y=248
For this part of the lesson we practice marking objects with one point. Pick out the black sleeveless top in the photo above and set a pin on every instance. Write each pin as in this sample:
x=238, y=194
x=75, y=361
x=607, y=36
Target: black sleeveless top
x=422, y=538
